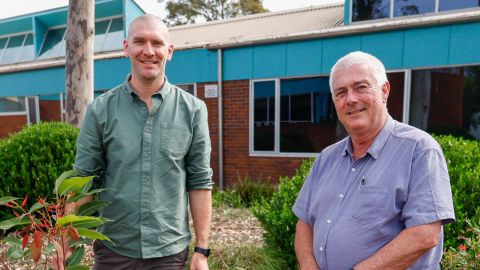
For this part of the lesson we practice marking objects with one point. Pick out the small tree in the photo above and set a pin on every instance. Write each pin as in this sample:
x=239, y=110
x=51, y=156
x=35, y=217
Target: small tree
x=49, y=229
x=189, y=11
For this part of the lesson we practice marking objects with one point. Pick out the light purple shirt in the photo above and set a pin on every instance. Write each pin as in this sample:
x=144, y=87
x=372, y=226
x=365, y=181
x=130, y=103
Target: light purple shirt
x=357, y=207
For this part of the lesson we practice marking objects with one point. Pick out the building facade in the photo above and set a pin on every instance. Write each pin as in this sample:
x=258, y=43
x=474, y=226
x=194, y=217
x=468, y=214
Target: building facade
x=264, y=77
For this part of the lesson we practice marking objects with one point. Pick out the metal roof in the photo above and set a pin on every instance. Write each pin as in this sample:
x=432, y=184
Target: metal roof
x=267, y=26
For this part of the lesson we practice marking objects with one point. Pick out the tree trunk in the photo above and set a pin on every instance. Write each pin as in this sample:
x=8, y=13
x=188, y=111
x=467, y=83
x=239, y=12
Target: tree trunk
x=79, y=60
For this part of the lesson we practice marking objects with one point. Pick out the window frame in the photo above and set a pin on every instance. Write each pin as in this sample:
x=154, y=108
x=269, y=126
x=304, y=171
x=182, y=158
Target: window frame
x=194, y=88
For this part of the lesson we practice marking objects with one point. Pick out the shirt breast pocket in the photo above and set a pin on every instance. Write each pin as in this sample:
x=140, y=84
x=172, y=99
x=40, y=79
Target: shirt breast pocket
x=370, y=205
x=174, y=139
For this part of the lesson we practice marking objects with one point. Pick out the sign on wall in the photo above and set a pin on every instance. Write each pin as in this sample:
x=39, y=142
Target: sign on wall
x=211, y=91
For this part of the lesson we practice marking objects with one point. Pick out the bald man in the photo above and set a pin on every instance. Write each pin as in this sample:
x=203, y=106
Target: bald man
x=147, y=141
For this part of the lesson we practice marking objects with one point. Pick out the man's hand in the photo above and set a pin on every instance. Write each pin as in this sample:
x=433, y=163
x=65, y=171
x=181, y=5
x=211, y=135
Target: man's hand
x=198, y=262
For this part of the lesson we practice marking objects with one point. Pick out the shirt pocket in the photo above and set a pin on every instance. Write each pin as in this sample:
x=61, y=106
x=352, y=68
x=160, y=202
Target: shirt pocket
x=174, y=139
x=370, y=205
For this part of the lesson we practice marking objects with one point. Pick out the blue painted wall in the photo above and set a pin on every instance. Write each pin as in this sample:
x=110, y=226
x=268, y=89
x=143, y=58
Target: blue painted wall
x=189, y=66
x=401, y=49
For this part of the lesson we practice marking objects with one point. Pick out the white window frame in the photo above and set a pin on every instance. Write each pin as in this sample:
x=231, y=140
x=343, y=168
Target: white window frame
x=25, y=112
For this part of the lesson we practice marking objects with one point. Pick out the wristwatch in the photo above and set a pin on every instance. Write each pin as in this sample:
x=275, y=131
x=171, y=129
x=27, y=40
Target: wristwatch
x=204, y=251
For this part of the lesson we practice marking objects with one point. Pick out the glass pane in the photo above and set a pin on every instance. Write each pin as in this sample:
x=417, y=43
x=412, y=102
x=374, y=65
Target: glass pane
x=3, y=42
x=13, y=49
x=370, y=9
x=264, y=116
x=114, y=40
x=413, y=7
x=395, y=98
x=189, y=88
x=54, y=45
x=447, y=101
x=28, y=52
x=445, y=5
x=308, y=118
x=100, y=31
x=12, y=104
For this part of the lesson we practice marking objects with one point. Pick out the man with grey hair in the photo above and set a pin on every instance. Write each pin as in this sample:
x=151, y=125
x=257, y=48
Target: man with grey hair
x=147, y=141
x=378, y=198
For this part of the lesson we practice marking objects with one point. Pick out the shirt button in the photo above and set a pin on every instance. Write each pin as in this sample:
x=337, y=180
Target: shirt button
x=353, y=169
x=143, y=107
x=341, y=195
x=146, y=156
x=329, y=221
x=321, y=249
x=145, y=179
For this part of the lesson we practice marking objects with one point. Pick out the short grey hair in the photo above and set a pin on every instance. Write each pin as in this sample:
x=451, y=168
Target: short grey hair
x=360, y=58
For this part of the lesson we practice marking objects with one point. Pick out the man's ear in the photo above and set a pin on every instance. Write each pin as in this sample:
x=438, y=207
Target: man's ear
x=125, y=48
x=170, y=52
x=385, y=91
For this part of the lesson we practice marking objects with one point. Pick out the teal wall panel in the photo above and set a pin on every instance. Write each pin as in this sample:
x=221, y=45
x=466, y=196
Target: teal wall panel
x=304, y=58
x=15, y=25
x=40, y=29
x=334, y=48
x=37, y=82
x=269, y=61
x=386, y=46
x=426, y=47
x=109, y=73
x=347, y=12
x=189, y=66
x=132, y=10
x=465, y=44
x=237, y=63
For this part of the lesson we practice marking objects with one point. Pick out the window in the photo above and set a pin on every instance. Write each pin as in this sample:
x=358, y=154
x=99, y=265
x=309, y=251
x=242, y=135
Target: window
x=413, y=7
x=109, y=35
x=54, y=44
x=17, y=48
x=363, y=10
x=304, y=122
x=189, y=88
x=446, y=101
x=12, y=105
x=370, y=10
x=457, y=4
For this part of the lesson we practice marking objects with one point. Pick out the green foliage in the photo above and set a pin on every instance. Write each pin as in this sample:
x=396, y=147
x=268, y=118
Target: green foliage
x=31, y=158
x=277, y=217
x=463, y=160
x=188, y=11
x=50, y=224
x=465, y=256
x=244, y=194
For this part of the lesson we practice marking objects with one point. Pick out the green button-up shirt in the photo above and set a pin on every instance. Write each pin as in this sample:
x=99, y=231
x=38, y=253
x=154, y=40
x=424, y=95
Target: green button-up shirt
x=147, y=161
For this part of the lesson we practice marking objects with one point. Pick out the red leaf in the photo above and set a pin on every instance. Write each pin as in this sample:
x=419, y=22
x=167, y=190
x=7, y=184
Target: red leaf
x=73, y=233
x=36, y=246
x=16, y=214
x=463, y=248
x=25, y=201
x=42, y=202
x=9, y=205
x=24, y=241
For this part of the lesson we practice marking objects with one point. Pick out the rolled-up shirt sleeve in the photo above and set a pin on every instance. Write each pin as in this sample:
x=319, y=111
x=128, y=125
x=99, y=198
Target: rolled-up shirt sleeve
x=199, y=172
x=429, y=193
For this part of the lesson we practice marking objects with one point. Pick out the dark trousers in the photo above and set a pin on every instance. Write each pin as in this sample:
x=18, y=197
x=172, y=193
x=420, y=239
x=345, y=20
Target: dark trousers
x=106, y=259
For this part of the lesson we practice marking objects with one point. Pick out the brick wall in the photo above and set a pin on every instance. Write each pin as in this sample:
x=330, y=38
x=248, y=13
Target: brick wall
x=11, y=124
x=50, y=110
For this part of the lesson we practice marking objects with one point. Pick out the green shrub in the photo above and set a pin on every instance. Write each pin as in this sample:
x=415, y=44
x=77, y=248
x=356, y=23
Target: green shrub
x=277, y=217
x=31, y=158
x=465, y=256
x=463, y=160
x=244, y=194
